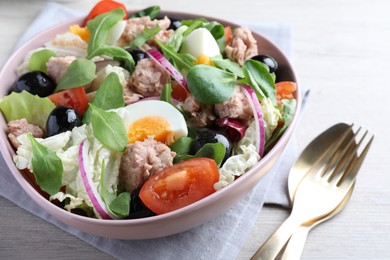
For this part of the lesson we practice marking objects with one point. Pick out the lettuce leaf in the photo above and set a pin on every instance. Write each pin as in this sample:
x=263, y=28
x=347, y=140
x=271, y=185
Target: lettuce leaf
x=19, y=105
x=271, y=116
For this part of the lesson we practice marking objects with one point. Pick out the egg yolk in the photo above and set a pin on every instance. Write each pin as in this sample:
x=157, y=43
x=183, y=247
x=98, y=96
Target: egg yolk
x=154, y=126
x=80, y=31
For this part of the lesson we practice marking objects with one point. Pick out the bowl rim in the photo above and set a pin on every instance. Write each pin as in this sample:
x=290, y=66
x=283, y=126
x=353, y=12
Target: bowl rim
x=211, y=199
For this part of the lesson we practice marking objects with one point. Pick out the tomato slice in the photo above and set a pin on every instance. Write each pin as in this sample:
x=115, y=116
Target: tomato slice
x=104, y=6
x=180, y=185
x=285, y=90
x=178, y=92
x=228, y=34
x=75, y=98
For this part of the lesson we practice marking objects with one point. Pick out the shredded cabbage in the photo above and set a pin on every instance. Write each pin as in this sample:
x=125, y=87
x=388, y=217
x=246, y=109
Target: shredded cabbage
x=123, y=76
x=271, y=116
x=245, y=157
x=23, y=156
x=66, y=146
x=68, y=44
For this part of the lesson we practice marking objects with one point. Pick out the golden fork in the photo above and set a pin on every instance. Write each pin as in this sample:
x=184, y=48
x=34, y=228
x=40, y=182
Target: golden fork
x=307, y=160
x=319, y=192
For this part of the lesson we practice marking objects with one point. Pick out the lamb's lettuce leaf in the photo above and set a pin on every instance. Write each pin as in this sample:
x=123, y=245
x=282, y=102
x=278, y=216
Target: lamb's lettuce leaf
x=151, y=11
x=80, y=73
x=99, y=28
x=117, y=205
x=108, y=96
x=260, y=80
x=109, y=128
x=210, y=85
x=47, y=167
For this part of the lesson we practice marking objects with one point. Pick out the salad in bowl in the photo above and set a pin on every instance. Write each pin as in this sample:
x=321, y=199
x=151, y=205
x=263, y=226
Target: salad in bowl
x=134, y=116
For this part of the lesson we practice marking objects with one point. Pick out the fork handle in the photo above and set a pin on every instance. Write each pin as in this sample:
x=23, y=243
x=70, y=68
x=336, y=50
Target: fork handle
x=274, y=244
x=295, y=245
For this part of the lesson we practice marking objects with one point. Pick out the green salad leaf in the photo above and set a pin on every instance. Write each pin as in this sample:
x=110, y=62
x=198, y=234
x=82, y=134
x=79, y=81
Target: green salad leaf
x=288, y=106
x=210, y=85
x=260, y=80
x=166, y=94
x=109, y=129
x=108, y=96
x=99, y=28
x=193, y=24
x=80, y=73
x=142, y=38
x=118, y=54
x=183, y=145
x=39, y=59
x=118, y=205
x=106, y=195
x=47, y=167
x=179, y=60
x=215, y=151
x=216, y=29
x=230, y=66
x=18, y=105
x=151, y=11
x=176, y=40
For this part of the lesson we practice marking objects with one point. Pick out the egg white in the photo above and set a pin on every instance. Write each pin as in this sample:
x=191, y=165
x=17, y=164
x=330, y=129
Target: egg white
x=141, y=109
x=200, y=42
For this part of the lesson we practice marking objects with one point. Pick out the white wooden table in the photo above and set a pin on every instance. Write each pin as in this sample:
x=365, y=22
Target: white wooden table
x=341, y=51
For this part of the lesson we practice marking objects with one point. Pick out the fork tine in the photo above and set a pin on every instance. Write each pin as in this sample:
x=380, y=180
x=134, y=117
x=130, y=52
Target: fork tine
x=344, y=159
x=342, y=147
x=356, y=163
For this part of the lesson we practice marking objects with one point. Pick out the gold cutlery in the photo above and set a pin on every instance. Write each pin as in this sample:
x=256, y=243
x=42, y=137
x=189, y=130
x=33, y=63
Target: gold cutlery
x=322, y=189
x=306, y=160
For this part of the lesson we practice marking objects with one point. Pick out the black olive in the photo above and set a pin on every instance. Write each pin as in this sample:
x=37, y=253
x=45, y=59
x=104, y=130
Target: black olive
x=205, y=136
x=137, y=54
x=175, y=24
x=267, y=60
x=35, y=82
x=62, y=119
x=137, y=207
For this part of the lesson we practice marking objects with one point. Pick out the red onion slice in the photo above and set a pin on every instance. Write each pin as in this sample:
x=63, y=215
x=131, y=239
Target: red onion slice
x=90, y=187
x=259, y=121
x=169, y=67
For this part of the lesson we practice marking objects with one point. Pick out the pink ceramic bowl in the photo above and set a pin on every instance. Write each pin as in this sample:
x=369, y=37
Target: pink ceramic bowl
x=161, y=225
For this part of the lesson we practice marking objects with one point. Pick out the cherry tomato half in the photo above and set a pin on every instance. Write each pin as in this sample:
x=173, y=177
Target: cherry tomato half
x=228, y=34
x=75, y=98
x=285, y=90
x=180, y=185
x=104, y=6
x=178, y=92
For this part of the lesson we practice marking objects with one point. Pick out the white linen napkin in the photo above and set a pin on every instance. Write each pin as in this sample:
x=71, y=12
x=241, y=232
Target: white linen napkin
x=222, y=237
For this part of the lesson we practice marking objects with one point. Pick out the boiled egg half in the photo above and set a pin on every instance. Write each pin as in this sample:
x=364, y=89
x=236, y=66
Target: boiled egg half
x=200, y=42
x=155, y=118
